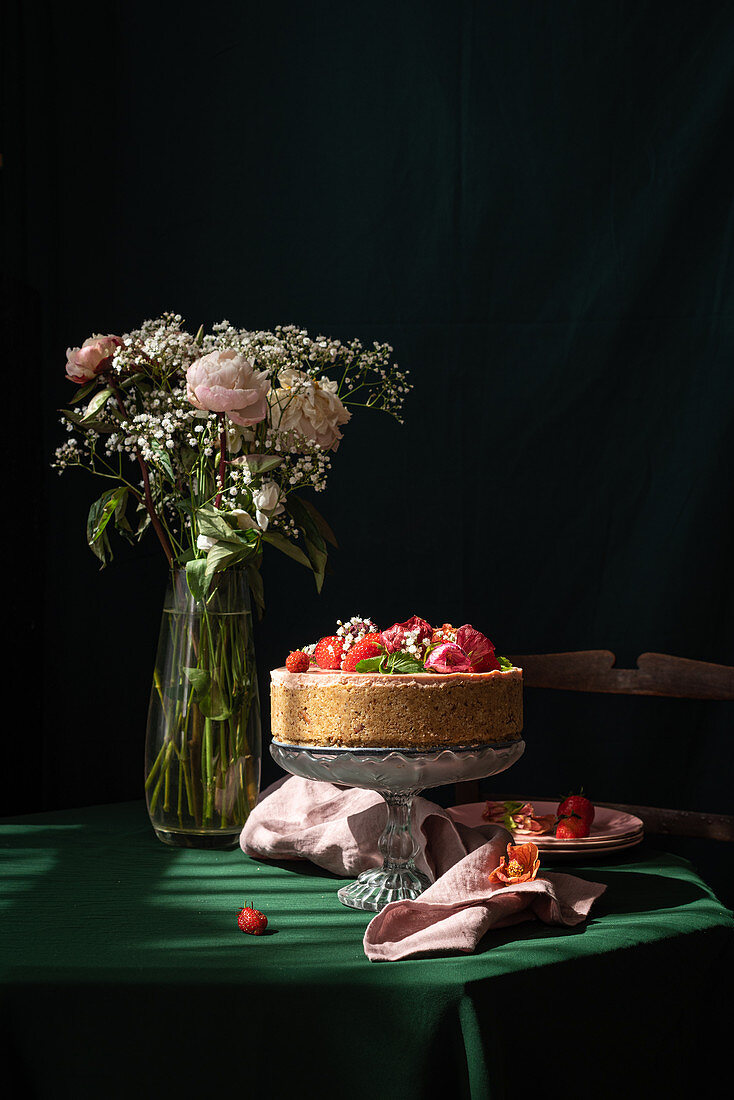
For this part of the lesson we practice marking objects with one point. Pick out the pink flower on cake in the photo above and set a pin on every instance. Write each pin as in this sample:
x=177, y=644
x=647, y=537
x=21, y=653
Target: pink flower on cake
x=92, y=358
x=403, y=636
x=227, y=382
x=478, y=649
x=448, y=657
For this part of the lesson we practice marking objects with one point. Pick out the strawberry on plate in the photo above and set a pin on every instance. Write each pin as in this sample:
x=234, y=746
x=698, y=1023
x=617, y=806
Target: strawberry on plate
x=572, y=828
x=576, y=805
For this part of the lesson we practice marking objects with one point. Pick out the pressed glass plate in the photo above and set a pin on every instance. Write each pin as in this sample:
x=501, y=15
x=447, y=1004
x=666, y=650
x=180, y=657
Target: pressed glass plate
x=398, y=775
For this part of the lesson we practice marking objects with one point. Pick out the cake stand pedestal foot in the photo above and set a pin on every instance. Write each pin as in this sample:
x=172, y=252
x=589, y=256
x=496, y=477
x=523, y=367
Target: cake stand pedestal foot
x=397, y=879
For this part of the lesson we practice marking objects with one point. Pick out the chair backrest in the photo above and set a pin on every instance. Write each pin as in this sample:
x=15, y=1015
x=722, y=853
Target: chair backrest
x=656, y=674
x=594, y=670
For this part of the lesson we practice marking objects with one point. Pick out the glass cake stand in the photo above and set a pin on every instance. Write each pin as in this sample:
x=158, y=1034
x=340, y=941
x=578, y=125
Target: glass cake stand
x=398, y=775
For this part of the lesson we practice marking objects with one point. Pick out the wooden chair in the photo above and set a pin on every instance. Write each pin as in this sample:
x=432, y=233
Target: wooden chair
x=656, y=674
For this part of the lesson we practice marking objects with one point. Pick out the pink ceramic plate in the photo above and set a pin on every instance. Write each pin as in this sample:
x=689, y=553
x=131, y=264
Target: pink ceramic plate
x=593, y=850
x=609, y=826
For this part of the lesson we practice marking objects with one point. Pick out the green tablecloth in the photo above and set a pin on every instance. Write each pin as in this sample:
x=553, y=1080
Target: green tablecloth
x=124, y=975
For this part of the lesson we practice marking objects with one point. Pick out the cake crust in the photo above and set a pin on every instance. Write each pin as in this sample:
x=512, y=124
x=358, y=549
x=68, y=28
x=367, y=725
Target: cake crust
x=419, y=711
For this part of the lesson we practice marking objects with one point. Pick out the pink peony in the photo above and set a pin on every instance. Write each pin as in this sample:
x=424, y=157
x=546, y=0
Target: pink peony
x=227, y=382
x=92, y=358
x=413, y=631
x=478, y=648
x=448, y=658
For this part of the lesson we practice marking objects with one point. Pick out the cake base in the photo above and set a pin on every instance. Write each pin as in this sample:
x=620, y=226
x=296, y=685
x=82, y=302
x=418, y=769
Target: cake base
x=424, y=711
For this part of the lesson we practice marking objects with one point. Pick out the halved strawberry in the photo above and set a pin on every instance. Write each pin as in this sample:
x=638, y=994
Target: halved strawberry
x=328, y=652
x=369, y=646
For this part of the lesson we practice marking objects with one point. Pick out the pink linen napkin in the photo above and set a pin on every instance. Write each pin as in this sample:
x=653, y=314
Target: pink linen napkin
x=453, y=914
x=337, y=828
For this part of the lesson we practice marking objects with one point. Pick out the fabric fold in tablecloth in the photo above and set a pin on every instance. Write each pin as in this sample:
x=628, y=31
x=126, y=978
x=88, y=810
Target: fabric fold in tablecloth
x=338, y=828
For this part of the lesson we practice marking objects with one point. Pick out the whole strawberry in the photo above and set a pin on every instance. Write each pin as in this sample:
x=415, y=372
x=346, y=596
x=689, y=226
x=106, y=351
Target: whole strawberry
x=576, y=805
x=298, y=661
x=329, y=651
x=369, y=646
x=252, y=921
x=572, y=828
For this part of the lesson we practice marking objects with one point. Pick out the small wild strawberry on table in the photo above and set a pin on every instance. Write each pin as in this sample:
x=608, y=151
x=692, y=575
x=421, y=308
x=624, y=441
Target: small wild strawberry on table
x=214, y=443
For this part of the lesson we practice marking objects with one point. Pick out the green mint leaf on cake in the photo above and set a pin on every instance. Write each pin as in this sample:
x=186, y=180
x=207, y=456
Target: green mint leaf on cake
x=369, y=664
x=397, y=664
x=403, y=664
x=505, y=664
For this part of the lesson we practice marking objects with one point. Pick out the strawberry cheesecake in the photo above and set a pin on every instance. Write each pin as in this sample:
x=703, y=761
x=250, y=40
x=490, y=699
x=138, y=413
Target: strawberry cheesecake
x=412, y=686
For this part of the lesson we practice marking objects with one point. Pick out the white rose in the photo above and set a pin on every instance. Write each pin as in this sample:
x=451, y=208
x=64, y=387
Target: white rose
x=308, y=406
x=245, y=522
x=267, y=501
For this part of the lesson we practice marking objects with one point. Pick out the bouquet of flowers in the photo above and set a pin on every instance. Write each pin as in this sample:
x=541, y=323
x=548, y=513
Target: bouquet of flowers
x=225, y=429
x=211, y=440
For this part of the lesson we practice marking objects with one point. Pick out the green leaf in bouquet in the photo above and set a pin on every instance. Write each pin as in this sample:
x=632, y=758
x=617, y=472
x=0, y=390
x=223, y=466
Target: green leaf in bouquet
x=312, y=538
x=211, y=700
x=197, y=579
x=98, y=402
x=213, y=524
x=280, y=542
x=83, y=391
x=121, y=521
x=163, y=460
x=134, y=380
x=199, y=679
x=100, y=514
x=100, y=426
x=262, y=464
x=316, y=551
x=222, y=555
x=189, y=458
x=255, y=582
x=324, y=530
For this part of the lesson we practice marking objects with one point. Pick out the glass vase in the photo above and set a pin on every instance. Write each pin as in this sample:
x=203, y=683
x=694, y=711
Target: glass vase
x=203, y=743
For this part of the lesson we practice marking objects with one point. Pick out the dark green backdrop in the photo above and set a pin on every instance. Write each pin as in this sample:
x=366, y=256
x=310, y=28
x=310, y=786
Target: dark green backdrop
x=532, y=202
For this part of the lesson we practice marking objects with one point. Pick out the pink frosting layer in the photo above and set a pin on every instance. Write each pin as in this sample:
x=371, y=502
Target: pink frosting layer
x=326, y=676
